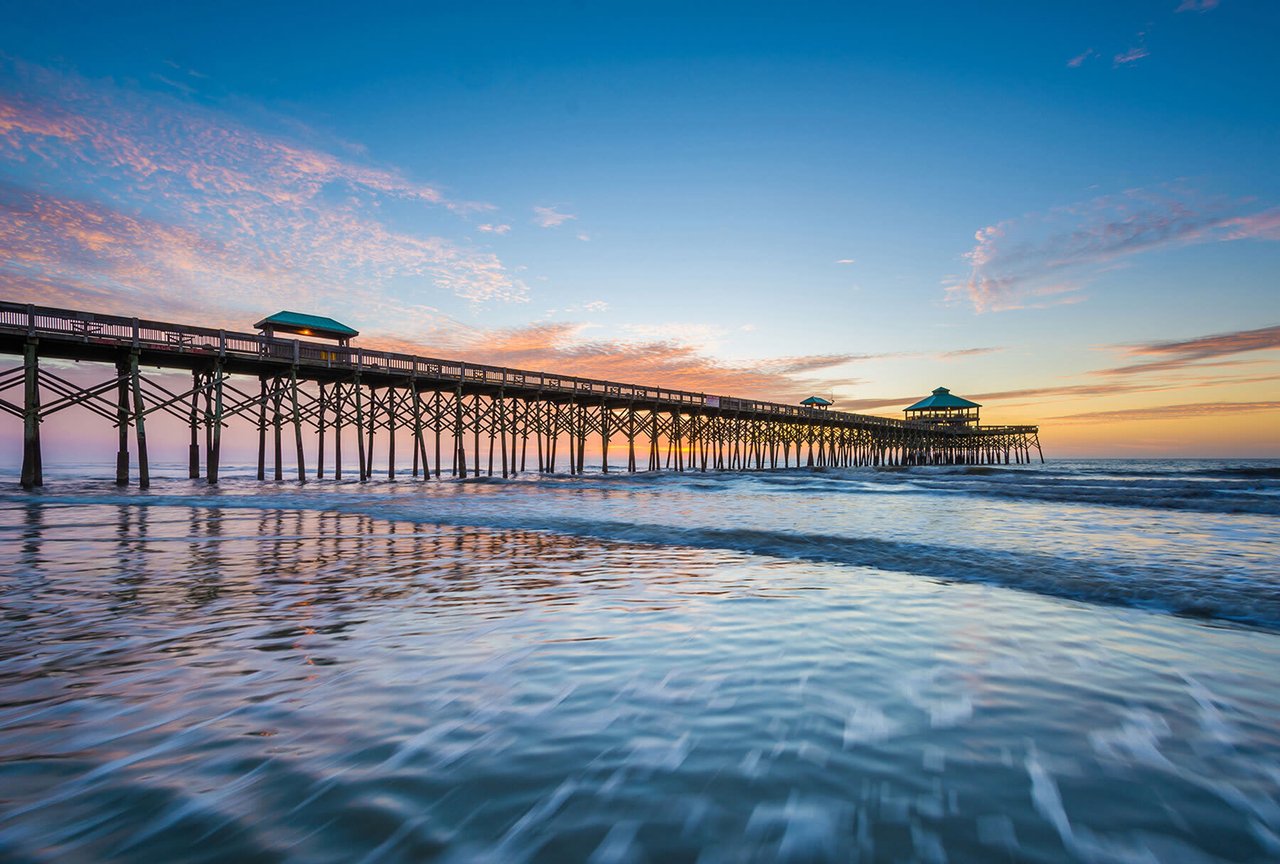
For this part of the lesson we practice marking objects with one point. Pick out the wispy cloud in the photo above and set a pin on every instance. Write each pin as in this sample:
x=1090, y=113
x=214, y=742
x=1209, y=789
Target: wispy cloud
x=1092, y=390
x=549, y=217
x=233, y=214
x=845, y=261
x=1193, y=352
x=808, y=363
x=1056, y=253
x=1078, y=60
x=1131, y=56
x=1197, y=5
x=968, y=352
x=1169, y=412
x=489, y=228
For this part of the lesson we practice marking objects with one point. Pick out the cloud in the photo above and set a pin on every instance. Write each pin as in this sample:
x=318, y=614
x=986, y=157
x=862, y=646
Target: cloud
x=809, y=363
x=232, y=213
x=1131, y=56
x=1091, y=390
x=1134, y=54
x=706, y=337
x=1169, y=412
x=549, y=217
x=584, y=236
x=968, y=352
x=493, y=229
x=1196, y=5
x=1077, y=61
x=1193, y=352
x=1098, y=389
x=596, y=306
x=1055, y=254
x=845, y=261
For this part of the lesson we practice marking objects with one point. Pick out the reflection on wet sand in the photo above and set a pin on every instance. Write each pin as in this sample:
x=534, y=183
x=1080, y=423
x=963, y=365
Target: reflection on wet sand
x=267, y=683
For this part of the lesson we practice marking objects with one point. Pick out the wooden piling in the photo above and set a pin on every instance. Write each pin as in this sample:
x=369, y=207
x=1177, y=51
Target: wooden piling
x=193, y=450
x=139, y=424
x=32, y=470
x=214, y=458
x=320, y=430
x=262, y=428
x=297, y=424
x=122, y=422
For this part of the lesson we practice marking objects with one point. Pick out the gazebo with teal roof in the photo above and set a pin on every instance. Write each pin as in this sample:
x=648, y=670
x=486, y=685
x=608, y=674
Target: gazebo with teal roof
x=944, y=408
x=817, y=402
x=299, y=324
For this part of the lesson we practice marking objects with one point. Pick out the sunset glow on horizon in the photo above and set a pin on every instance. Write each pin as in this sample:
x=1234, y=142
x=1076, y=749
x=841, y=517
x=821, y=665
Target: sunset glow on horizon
x=1070, y=216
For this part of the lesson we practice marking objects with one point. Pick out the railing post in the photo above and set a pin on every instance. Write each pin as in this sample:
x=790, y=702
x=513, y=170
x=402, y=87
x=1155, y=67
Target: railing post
x=297, y=350
x=31, y=319
x=137, y=342
x=222, y=344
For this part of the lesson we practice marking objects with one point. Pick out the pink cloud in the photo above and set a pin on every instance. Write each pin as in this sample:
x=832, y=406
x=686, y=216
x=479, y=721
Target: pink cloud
x=1193, y=352
x=1131, y=56
x=1056, y=253
x=549, y=217
x=230, y=209
x=1078, y=60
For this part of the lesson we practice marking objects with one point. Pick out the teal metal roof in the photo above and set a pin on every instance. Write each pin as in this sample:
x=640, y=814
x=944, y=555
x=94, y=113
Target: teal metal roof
x=942, y=398
x=817, y=400
x=317, y=324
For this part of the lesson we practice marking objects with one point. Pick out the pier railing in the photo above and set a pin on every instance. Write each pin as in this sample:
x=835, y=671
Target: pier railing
x=180, y=339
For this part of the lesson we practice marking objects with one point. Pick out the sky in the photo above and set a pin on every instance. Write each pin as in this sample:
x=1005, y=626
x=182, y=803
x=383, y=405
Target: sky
x=1069, y=212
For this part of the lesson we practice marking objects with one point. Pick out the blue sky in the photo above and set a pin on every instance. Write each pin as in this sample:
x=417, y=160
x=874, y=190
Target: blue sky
x=729, y=195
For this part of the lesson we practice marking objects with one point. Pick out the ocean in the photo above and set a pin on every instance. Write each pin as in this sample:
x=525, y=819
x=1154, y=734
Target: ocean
x=1077, y=661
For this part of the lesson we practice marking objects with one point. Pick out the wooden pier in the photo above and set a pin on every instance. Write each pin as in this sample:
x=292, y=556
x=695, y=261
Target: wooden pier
x=461, y=419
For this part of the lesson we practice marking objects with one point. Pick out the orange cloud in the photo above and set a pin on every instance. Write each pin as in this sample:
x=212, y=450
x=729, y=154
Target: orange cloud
x=1170, y=412
x=1192, y=352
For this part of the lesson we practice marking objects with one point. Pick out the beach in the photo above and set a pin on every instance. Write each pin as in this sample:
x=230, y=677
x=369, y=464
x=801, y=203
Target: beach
x=1074, y=662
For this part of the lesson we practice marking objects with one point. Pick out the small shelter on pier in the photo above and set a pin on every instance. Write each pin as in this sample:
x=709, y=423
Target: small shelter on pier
x=817, y=402
x=298, y=324
x=944, y=408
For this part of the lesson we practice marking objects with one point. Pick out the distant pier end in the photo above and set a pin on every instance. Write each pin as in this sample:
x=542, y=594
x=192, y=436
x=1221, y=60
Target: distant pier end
x=460, y=419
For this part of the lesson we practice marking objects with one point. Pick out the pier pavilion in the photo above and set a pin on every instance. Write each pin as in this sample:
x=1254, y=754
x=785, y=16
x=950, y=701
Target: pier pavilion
x=944, y=408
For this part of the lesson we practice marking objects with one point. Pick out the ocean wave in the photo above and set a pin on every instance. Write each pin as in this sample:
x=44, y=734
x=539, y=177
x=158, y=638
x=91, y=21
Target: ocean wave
x=1245, y=597
x=1245, y=490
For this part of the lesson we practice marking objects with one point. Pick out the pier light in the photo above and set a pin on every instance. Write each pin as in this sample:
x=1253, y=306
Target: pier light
x=944, y=408
x=298, y=324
